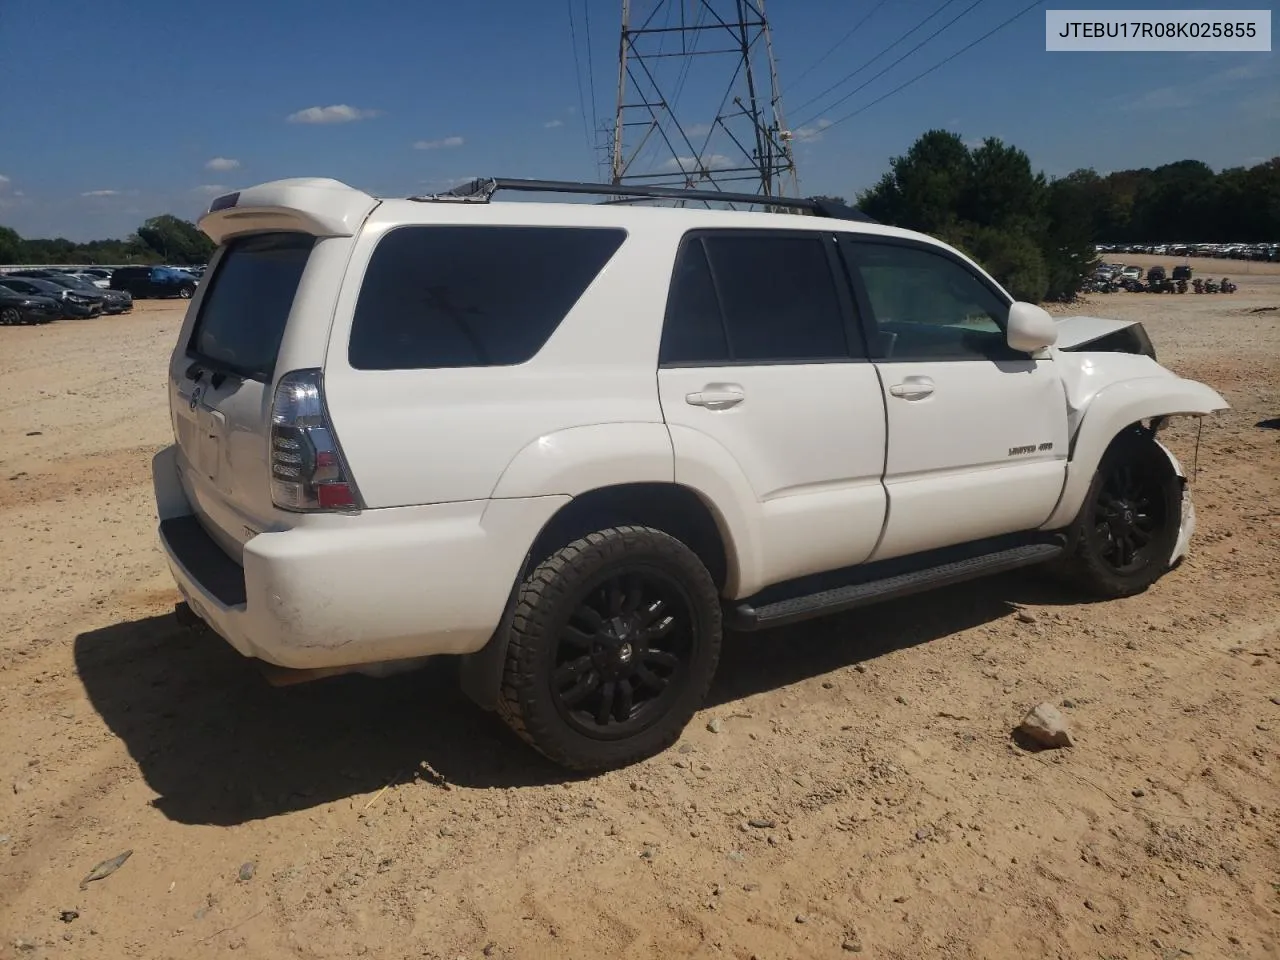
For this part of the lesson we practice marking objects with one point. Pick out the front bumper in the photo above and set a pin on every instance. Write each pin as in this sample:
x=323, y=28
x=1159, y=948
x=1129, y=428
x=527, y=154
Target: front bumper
x=348, y=590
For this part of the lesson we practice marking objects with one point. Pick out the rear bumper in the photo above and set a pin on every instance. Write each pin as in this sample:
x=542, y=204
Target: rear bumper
x=347, y=590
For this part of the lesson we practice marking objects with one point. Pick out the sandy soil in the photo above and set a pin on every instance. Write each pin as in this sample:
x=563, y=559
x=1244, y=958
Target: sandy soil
x=893, y=813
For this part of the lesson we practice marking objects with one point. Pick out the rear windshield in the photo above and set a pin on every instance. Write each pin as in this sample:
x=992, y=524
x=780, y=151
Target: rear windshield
x=246, y=307
x=472, y=296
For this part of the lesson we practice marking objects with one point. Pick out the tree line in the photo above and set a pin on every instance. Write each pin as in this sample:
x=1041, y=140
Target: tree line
x=162, y=239
x=1037, y=236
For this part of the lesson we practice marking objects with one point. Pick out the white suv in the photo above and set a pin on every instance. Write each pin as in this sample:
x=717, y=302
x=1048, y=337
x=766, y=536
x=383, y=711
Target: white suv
x=574, y=442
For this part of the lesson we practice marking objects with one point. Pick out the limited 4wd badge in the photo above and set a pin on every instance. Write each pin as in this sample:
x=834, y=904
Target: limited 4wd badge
x=1030, y=448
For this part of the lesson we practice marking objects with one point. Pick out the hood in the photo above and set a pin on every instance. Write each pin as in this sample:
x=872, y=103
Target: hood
x=1074, y=332
x=1100, y=335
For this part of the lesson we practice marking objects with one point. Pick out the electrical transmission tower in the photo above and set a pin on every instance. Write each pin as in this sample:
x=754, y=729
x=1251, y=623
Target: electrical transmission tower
x=678, y=59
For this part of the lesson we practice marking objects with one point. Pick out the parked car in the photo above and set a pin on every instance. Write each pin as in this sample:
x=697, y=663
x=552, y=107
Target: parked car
x=99, y=278
x=16, y=307
x=1131, y=273
x=113, y=301
x=571, y=443
x=144, y=282
x=75, y=303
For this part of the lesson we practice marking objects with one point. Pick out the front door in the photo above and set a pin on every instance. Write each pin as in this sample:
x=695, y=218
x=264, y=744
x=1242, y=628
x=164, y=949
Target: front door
x=977, y=431
x=771, y=402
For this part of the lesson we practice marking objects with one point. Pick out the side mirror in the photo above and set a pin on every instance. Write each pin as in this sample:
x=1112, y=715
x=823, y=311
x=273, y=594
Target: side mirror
x=1031, y=329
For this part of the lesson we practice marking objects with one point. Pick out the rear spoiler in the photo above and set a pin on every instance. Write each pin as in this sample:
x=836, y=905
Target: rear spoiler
x=314, y=205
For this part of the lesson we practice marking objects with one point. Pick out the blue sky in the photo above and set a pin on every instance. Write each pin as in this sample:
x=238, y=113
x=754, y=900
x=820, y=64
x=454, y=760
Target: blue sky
x=121, y=109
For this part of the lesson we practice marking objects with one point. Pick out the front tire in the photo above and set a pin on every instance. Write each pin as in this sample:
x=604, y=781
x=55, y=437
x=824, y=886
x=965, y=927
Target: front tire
x=1126, y=532
x=614, y=642
x=10, y=316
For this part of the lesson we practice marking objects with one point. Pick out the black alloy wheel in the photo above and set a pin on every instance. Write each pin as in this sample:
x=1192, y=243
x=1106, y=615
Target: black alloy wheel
x=612, y=645
x=624, y=653
x=1129, y=510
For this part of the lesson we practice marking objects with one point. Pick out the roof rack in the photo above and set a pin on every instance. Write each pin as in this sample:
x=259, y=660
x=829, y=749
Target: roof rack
x=482, y=189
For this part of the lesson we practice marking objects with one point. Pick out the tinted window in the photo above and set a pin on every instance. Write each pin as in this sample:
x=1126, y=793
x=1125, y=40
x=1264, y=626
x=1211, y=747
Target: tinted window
x=471, y=296
x=693, y=331
x=247, y=304
x=928, y=306
x=778, y=297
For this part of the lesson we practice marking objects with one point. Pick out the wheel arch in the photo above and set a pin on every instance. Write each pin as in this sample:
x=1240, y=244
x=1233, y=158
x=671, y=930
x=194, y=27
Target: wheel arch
x=1112, y=414
x=671, y=507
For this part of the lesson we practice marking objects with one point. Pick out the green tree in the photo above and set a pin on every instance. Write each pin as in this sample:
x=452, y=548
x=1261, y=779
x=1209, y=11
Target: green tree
x=923, y=189
x=175, y=240
x=10, y=246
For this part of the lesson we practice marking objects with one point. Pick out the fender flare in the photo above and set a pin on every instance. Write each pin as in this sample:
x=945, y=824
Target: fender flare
x=577, y=459
x=1111, y=410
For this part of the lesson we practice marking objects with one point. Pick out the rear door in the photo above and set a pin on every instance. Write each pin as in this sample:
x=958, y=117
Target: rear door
x=763, y=374
x=221, y=381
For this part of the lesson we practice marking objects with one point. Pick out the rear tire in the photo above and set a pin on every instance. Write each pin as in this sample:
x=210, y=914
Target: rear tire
x=613, y=644
x=1124, y=537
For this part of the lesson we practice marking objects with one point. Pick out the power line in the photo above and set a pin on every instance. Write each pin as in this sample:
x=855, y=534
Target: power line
x=849, y=76
x=924, y=73
x=591, y=70
x=877, y=76
x=577, y=73
x=852, y=30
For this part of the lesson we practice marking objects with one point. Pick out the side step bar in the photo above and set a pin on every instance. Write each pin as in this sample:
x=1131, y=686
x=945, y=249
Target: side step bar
x=745, y=617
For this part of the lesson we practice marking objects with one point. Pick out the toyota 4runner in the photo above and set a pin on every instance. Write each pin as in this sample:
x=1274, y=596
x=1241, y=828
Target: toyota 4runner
x=573, y=443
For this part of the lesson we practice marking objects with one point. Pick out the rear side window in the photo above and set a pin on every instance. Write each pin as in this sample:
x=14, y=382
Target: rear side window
x=247, y=304
x=445, y=296
x=753, y=298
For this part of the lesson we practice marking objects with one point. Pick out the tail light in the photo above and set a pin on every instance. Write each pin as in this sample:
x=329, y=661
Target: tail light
x=307, y=470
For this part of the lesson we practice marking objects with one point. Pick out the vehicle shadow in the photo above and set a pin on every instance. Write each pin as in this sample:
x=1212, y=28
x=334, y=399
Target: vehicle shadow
x=221, y=746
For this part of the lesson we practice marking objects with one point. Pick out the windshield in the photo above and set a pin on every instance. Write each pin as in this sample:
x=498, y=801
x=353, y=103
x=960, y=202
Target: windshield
x=247, y=303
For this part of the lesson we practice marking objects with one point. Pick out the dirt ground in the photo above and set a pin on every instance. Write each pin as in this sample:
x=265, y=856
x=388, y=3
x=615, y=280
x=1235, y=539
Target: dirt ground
x=862, y=793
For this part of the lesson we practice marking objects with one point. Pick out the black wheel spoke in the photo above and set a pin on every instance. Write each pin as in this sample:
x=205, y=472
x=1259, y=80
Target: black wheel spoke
x=659, y=630
x=581, y=690
x=605, y=710
x=652, y=612
x=567, y=673
x=635, y=595
x=590, y=617
x=661, y=658
x=1139, y=536
x=616, y=598
x=577, y=638
x=622, y=708
x=648, y=678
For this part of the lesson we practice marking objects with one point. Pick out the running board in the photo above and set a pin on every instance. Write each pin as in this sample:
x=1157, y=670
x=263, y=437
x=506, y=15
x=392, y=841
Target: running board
x=744, y=616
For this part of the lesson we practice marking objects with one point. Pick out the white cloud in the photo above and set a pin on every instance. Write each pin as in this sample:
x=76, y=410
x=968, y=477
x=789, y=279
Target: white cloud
x=4, y=181
x=101, y=193
x=222, y=163
x=445, y=144
x=697, y=129
x=1183, y=96
x=337, y=113
x=210, y=188
x=812, y=132
x=973, y=143
x=716, y=161
x=552, y=124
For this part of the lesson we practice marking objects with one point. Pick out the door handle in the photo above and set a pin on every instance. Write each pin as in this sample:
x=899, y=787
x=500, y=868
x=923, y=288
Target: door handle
x=913, y=388
x=721, y=398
